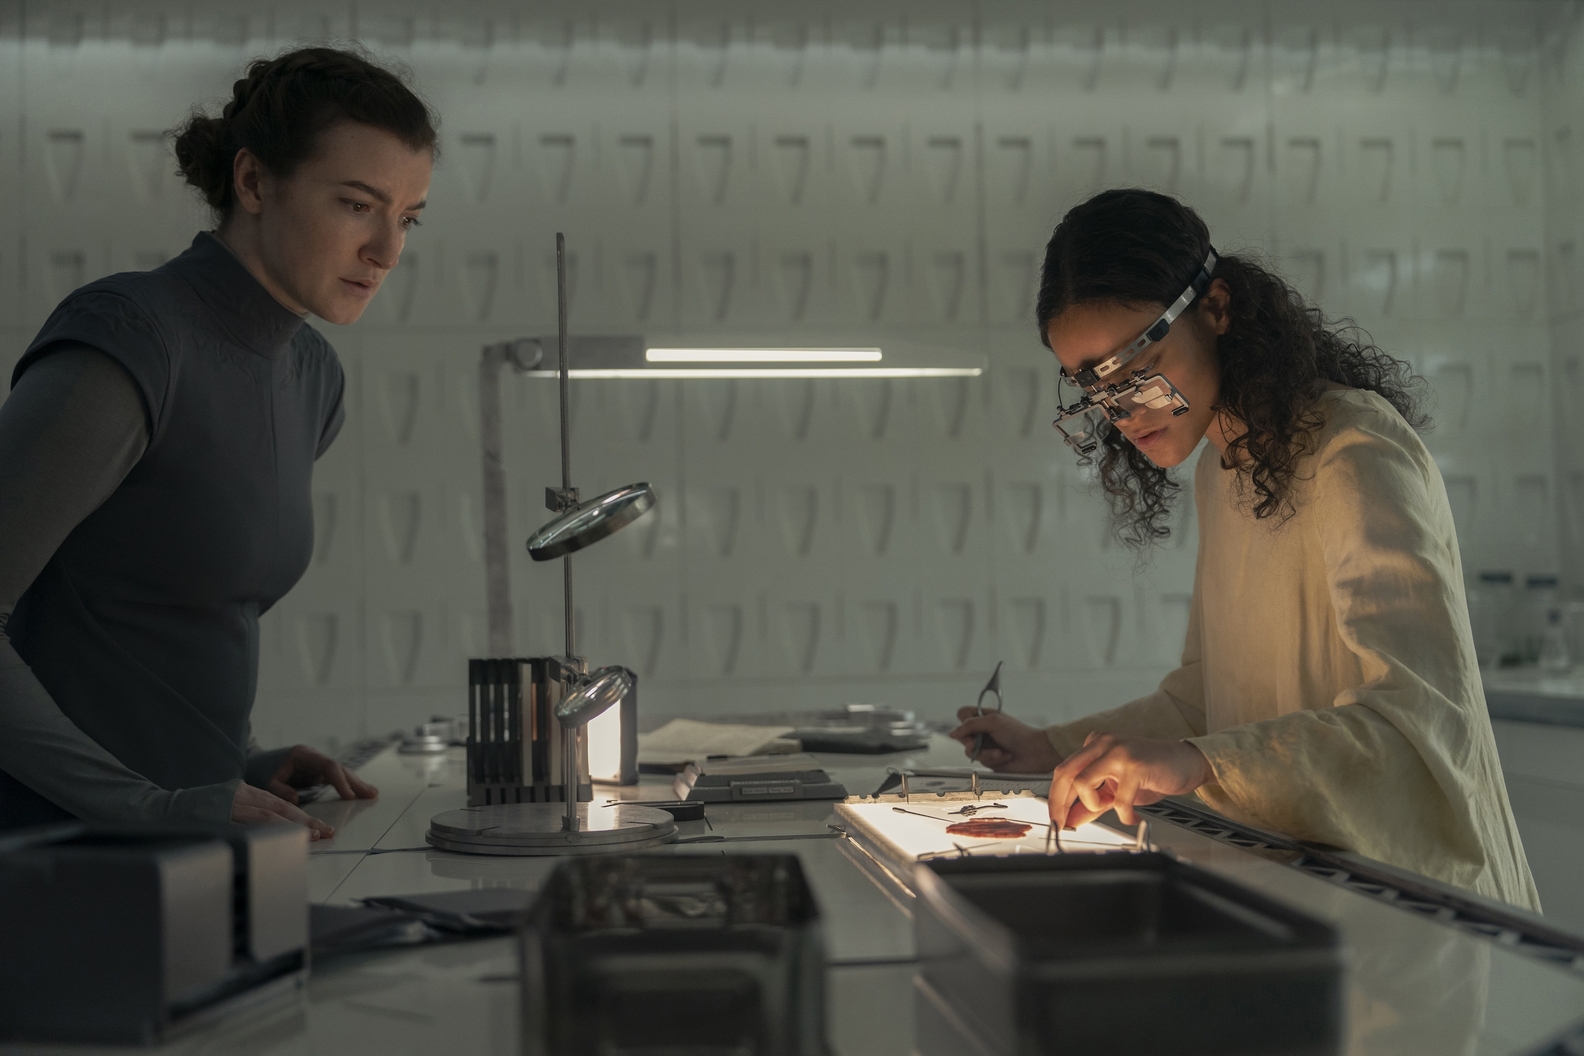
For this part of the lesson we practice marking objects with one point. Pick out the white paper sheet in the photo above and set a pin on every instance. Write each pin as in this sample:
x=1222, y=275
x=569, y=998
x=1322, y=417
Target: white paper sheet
x=685, y=740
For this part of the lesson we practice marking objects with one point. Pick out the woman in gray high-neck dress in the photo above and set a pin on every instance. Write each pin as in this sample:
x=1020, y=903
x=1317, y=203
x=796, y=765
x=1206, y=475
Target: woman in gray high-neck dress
x=156, y=452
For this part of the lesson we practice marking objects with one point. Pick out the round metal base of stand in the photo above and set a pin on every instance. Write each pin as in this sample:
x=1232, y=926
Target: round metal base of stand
x=539, y=829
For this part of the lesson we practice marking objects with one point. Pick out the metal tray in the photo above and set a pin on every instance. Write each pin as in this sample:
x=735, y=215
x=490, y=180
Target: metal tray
x=756, y=779
x=864, y=729
x=704, y=955
x=1117, y=953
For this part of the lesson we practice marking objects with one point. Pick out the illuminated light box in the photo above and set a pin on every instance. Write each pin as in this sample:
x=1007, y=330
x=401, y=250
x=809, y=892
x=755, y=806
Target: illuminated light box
x=899, y=833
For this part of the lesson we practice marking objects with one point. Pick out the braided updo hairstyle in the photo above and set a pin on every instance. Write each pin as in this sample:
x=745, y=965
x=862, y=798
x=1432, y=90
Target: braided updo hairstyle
x=281, y=107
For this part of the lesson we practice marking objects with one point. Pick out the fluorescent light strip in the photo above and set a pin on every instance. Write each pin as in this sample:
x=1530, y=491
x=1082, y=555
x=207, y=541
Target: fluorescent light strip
x=766, y=372
x=762, y=355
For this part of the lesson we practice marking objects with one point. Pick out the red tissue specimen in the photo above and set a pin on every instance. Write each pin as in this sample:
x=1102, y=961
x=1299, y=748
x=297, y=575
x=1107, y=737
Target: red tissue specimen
x=990, y=828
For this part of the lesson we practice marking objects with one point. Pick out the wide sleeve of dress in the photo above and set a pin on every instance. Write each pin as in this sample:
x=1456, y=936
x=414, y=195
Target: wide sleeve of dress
x=1402, y=766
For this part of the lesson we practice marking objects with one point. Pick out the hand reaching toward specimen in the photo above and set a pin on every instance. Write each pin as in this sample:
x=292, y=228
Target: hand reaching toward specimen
x=1118, y=773
x=1009, y=745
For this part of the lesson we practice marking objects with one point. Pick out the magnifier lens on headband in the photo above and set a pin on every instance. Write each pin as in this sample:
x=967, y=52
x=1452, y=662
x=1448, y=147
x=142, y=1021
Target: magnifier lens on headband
x=1154, y=393
x=1081, y=429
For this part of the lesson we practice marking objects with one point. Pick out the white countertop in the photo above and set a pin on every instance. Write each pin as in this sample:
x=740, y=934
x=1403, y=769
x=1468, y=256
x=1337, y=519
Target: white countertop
x=1533, y=680
x=1413, y=985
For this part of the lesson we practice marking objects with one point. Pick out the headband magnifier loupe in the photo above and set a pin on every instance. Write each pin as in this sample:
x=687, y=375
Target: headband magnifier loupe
x=1104, y=401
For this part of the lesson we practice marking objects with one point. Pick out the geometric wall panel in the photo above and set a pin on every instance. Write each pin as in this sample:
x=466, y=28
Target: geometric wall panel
x=880, y=176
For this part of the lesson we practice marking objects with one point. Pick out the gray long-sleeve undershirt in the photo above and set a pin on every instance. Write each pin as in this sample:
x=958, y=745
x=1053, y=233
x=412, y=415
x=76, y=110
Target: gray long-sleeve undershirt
x=70, y=431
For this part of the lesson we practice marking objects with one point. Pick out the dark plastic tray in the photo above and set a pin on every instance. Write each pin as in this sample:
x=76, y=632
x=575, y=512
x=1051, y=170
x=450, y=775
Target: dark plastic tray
x=1117, y=953
x=629, y=955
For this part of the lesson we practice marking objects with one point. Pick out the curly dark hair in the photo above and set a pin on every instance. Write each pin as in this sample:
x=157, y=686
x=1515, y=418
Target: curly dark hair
x=1136, y=247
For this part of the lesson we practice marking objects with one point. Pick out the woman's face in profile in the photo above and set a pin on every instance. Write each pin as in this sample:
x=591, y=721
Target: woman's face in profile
x=1087, y=334
x=331, y=231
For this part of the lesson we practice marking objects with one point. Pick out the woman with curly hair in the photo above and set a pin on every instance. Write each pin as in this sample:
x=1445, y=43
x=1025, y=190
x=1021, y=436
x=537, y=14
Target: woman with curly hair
x=156, y=452
x=1328, y=686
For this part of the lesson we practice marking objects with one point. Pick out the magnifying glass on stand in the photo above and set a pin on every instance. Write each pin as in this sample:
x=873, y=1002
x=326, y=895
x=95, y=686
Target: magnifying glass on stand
x=569, y=827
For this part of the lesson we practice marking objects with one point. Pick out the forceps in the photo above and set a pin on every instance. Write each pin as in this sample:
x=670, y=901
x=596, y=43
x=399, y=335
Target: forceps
x=974, y=808
x=991, y=687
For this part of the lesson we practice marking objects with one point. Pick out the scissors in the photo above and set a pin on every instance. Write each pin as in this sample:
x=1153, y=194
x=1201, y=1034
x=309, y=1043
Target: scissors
x=991, y=687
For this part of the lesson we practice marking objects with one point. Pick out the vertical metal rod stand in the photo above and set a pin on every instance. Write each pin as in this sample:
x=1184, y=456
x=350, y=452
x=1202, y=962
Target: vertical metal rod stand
x=566, y=429
x=570, y=737
x=568, y=498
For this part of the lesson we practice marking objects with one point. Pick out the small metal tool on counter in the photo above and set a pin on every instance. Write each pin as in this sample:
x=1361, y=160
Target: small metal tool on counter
x=125, y=935
x=974, y=808
x=434, y=737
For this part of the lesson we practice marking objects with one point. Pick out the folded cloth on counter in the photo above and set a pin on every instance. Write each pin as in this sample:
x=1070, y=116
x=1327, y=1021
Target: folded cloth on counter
x=485, y=909
x=411, y=920
x=352, y=929
x=682, y=741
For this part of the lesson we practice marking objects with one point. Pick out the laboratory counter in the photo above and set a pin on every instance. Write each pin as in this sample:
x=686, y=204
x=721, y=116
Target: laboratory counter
x=1446, y=974
x=1528, y=694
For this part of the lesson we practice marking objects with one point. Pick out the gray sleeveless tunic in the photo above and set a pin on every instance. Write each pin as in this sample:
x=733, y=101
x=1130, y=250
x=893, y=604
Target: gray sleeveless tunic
x=144, y=625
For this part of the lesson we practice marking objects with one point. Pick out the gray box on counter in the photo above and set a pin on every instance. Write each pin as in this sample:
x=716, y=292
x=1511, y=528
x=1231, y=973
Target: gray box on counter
x=1116, y=953
x=625, y=956
x=756, y=779
x=125, y=935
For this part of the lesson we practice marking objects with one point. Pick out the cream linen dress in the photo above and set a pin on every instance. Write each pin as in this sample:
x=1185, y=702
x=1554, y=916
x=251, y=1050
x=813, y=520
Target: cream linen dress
x=1329, y=672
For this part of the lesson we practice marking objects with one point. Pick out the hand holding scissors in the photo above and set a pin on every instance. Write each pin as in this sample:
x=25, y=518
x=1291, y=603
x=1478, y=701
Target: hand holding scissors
x=992, y=687
x=998, y=740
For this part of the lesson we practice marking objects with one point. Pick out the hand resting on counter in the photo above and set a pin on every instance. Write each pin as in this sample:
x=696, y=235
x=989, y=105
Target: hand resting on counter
x=302, y=766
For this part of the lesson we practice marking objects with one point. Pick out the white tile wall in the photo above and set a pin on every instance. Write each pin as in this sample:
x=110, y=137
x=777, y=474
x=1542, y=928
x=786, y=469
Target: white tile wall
x=1563, y=125
x=823, y=172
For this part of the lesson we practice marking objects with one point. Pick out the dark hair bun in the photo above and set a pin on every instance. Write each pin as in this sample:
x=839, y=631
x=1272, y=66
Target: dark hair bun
x=204, y=155
x=280, y=108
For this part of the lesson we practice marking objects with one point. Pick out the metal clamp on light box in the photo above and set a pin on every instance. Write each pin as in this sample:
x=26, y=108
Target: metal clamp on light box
x=757, y=779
